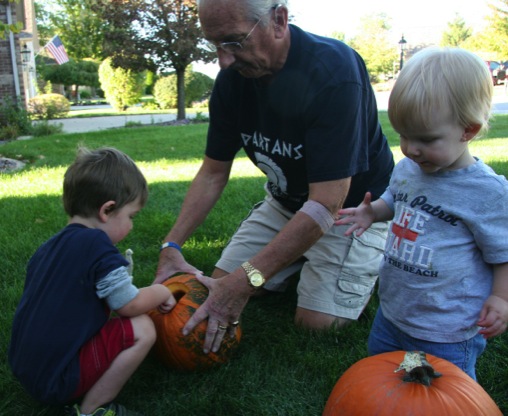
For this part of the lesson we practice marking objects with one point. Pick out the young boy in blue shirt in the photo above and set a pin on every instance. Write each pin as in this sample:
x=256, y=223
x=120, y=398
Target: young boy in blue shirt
x=65, y=344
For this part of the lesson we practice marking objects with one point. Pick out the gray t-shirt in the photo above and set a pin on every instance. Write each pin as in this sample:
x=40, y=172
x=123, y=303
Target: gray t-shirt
x=447, y=231
x=117, y=288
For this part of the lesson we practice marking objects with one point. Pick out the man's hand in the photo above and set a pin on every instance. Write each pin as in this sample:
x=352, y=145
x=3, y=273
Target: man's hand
x=171, y=261
x=222, y=307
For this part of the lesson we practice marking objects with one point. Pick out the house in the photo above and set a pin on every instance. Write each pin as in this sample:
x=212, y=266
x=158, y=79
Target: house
x=17, y=53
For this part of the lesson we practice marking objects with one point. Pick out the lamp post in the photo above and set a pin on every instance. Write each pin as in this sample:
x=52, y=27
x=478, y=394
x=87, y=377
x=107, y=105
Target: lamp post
x=402, y=45
x=25, y=57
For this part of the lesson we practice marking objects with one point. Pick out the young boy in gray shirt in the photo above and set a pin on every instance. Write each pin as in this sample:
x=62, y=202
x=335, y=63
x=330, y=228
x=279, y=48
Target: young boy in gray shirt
x=443, y=283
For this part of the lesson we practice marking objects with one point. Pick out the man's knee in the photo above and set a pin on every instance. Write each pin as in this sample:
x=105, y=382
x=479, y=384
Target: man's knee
x=318, y=320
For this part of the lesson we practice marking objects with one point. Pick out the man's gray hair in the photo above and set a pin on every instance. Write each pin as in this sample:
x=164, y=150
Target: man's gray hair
x=257, y=9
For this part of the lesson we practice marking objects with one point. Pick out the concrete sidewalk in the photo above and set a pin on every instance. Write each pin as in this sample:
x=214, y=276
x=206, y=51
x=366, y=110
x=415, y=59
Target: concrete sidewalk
x=83, y=125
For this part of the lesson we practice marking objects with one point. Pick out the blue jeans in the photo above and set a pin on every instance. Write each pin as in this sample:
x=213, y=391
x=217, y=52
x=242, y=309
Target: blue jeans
x=386, y=337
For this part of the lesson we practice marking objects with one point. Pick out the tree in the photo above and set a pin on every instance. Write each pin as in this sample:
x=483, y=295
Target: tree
x=78, y=25
x=6, y=28
x=75, y=73
x=154, y=34
x=122, y=87
x=338, y=35
x=457, y=33
x=44, y=28
x=492, y=42
x=374, y=46
x=499, y=28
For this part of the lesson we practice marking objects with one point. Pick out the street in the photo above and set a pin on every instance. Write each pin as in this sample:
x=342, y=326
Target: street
x=500, y=100
x=81, y=125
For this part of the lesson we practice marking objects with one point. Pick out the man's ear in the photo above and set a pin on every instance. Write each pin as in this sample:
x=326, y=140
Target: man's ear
x=105, y=210
x=280, y=18
x=470, y=132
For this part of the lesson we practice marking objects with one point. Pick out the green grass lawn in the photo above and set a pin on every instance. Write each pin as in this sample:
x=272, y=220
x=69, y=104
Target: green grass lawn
x=278, y=369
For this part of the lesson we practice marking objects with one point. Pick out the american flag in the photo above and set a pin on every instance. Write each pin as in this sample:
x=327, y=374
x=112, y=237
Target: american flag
x=57, y=49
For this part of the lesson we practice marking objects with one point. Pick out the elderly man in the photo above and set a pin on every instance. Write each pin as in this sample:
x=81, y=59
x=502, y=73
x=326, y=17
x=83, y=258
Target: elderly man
x=302, y=108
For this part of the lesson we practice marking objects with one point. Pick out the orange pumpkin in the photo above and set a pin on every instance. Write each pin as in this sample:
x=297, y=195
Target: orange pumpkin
x=185, y=353
x=395, y=383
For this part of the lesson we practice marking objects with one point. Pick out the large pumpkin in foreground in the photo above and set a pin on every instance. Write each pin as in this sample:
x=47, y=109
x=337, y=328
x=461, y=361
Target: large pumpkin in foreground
x=185, y=353
x=409, y=384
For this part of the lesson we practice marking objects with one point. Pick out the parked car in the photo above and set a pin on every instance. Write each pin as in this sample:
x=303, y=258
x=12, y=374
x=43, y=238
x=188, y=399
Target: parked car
x=497, y=71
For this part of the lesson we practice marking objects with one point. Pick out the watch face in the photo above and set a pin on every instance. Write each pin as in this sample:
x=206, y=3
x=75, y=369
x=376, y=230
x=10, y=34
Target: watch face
x=256, y=279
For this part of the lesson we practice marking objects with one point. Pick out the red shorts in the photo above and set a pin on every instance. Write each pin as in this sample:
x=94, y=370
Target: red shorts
x=96, y=356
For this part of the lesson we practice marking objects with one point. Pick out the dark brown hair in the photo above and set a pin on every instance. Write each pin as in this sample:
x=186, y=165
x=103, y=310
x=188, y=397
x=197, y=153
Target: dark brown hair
x=102, y=175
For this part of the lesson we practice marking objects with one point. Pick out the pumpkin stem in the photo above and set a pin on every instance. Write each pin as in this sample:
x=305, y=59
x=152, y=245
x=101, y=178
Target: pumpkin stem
x=418, y=369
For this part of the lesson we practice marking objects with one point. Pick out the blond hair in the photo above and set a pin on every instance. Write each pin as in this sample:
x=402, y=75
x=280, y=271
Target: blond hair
x=441, y=79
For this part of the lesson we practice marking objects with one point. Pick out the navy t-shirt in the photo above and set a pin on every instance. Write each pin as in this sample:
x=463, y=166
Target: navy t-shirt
x=315, y=121
x=59, y=310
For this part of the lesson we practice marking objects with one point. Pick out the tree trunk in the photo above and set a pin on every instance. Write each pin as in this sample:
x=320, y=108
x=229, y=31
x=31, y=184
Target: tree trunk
x=180, y=90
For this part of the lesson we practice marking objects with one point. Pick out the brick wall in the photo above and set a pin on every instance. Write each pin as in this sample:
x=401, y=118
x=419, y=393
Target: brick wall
x=7, y=79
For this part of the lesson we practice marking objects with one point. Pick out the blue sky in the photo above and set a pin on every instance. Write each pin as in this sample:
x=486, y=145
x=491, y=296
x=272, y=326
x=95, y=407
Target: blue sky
x=417, y=19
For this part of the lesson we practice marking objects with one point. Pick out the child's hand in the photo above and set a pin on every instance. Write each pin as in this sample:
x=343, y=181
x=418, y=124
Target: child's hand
x=493, y=317
x=168, y=305
x=361, y=217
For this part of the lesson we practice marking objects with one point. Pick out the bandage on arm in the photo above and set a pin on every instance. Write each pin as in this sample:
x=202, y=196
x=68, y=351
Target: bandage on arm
x=319, y=213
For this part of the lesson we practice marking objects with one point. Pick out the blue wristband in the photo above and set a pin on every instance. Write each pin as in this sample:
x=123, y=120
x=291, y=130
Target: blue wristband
x=170, y=244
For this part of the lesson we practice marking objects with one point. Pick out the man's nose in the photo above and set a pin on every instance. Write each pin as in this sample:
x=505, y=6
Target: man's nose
x=226, y=59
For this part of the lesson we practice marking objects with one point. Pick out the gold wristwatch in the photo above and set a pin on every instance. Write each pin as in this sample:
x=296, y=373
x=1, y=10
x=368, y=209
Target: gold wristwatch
x=256, y=278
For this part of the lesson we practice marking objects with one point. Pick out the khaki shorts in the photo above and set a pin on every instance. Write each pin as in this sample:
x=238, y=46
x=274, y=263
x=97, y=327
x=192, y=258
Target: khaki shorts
x=337, y=274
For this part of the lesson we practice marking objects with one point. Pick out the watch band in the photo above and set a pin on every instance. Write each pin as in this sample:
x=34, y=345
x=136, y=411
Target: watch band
x=249, y=268
x=254, y=276
x=170, y=244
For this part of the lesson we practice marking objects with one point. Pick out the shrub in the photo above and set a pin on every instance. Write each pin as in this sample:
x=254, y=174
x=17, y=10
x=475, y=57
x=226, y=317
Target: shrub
x=48, y=106
x=198, y=87
x=201, y=104
x=9, y=132
x=43, y=128
x=122, y=87
x=164, y=92
x=150, y=78
x=150, y=105
x=14, y=121
x=201, y=118
x=85, y=95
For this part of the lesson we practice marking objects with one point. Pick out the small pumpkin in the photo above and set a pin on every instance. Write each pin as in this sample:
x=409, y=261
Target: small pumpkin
x=185, y=353
x=413, y=383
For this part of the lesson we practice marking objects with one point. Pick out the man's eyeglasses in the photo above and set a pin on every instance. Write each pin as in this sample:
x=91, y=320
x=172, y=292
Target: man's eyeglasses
x=233, y=47
x=229, y=47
